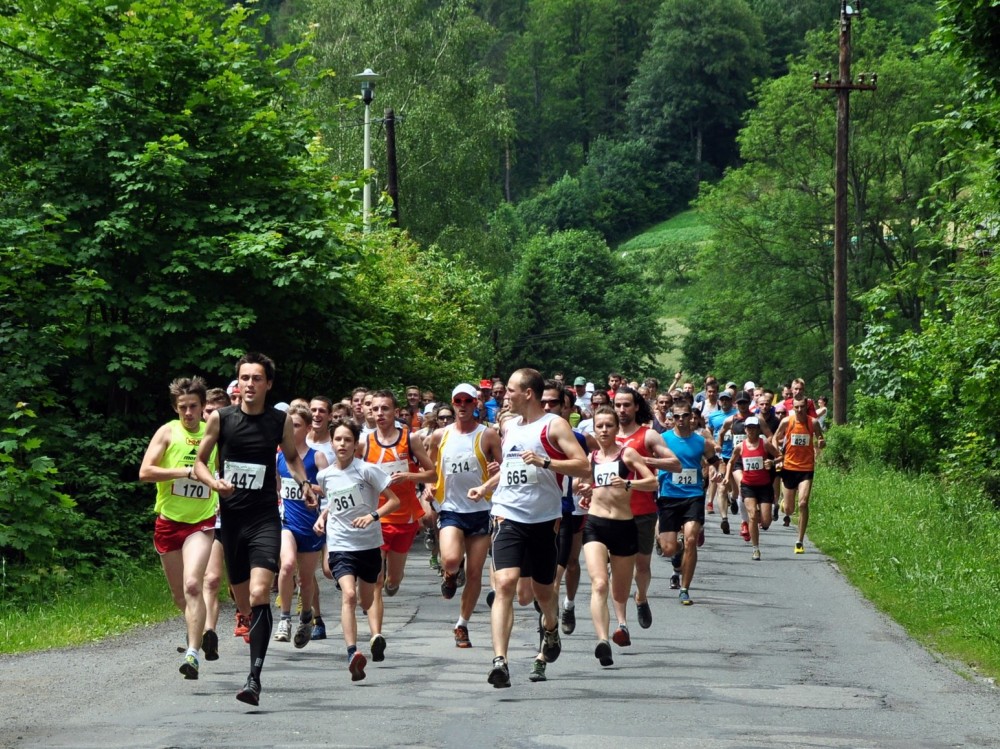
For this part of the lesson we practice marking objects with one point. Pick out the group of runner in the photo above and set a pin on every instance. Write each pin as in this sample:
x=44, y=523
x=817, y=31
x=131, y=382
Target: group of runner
x=499, y=470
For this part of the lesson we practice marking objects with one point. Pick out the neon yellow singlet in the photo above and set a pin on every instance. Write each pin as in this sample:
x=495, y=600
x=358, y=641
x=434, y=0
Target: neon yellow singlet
x=183, y=500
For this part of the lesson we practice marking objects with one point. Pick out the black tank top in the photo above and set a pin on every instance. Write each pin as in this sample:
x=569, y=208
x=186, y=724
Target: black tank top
x=251, y=440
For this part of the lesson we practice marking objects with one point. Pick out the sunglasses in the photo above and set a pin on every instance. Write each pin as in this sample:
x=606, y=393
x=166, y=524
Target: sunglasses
x=462, y=401
x=551, y=401
x=683, y=416
x=446, y=417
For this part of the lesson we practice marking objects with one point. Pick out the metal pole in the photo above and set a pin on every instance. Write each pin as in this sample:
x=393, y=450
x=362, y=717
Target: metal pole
x=367, y=211
x=840, y=227
x=391, y=174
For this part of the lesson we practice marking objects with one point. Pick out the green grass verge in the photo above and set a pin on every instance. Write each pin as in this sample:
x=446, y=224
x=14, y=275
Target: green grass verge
x=926, y=556
x=77, y=612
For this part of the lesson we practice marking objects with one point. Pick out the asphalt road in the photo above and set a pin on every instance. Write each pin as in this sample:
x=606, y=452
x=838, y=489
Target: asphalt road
x=777, y=653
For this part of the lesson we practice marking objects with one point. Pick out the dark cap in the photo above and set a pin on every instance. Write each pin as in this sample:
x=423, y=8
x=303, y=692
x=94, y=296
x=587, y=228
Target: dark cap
x=742, y=397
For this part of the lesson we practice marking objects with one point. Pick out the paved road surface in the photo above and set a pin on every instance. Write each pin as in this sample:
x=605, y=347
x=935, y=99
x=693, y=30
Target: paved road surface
x=780, y=653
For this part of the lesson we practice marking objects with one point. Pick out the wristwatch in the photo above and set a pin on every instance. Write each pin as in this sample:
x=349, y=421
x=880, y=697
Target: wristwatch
x=547, y=462
x=375, y=515
x=628, y=485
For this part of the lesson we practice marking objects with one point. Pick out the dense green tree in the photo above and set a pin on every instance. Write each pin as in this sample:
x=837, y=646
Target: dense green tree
x=766, y=279
x=453, y=121
x=572, y=304
x=694, y=81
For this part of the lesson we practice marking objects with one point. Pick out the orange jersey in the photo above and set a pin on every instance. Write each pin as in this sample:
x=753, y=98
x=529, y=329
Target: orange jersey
x=396, y=458
x=800, y=452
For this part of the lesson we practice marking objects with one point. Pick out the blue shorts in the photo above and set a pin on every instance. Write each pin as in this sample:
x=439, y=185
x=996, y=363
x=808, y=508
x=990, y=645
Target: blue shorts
x=470, y=523
x=306, y=542
x=365, y=564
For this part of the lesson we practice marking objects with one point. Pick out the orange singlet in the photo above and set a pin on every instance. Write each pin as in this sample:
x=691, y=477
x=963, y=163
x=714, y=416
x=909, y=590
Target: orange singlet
x=396, y=458
x=800, y=453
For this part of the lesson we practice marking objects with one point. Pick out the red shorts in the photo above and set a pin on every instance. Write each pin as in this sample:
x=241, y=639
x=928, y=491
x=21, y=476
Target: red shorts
x=169, y=535
x=399, y=538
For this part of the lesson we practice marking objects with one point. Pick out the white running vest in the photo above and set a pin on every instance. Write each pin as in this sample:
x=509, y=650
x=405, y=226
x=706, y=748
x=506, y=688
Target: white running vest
x=527, y=493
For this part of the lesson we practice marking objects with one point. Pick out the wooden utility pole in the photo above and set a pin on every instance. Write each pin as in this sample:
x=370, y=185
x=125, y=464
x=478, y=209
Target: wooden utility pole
x=392, y=183
x=843, y=86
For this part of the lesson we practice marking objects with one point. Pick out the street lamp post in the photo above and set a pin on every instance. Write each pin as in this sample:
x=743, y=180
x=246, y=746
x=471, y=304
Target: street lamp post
x=367, y=78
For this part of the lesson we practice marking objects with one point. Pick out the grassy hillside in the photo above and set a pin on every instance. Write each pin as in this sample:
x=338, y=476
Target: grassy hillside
x=667, y=252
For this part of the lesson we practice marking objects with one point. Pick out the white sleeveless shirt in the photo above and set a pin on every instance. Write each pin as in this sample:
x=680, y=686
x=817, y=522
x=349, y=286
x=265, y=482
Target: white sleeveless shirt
x=527, y=493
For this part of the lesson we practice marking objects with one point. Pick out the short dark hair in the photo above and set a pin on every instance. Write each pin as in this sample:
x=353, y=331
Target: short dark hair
x=349, y=424
x=554, y=384
x=188, y=386
x=217, y=396
x=255, y=357
x=607, y=411
x=531, y=379
x=386, y=394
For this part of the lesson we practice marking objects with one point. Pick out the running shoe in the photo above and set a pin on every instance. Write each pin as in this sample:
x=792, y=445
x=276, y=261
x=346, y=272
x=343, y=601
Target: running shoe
x=621, y=637
x=391, y=590
x=284, y=633
x=568, y=621
x=250, y=693
x=429, y=540
x=675, y=582
x=189, y=667
x=462, y=637
x=685, y=599
x=745, y=531
x=490, y=597
x=357, y=666
x=210, y=644
x=377, y=644
x=460, y=577
x=499, y=675
x=551, y=644
x=799, y=548
x=701, y=537
x=242, y=627
x=756, y=555
x=537, y=671
x=303, y=634
x=724, y=525
x=433, y=562
x=710, y=509
x=448, y=586
x=733, y=507
x=603, y=653
x=644, y=613
x=786, y=521
x=319, y=631
x=659, y=550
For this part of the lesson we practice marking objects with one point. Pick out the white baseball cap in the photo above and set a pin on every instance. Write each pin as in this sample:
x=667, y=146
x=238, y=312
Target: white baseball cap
x=590, y=387
x=749, y=386
x=464, y=389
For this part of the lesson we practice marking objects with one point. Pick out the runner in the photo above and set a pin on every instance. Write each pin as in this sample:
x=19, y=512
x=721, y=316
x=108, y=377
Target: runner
x=682, y=500
x=717, y=493
x=536, y=448
x=611, y=533
x=751, y=466
x=301, y=548
x=732, y=433
x=321, y=411
x=406, y=463
x=247, y=436
x=215, y=399
x=462, y=453
x=799, y=437
x=356, y=492
x=185, y=511
x=414, y=409
x=633, y=410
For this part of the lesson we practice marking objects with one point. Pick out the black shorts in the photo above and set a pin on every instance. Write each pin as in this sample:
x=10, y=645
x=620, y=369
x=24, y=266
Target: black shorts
x=528, y=546
x=763, y=494
x=250, y=541
x=674, y=513
x=645, y=526
x=620, y=536
x=792, y=479
x=365, y=564
x=571, y=525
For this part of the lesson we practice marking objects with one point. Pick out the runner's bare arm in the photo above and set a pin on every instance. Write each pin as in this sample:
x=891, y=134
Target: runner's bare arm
x=201, y=470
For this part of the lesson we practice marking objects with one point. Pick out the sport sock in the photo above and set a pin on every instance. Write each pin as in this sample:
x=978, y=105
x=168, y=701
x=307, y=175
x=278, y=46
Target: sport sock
x=568, y=604
x=462, y=622
x=744, y=515
x=261, y=624
x=306, y=616
x=351, y=650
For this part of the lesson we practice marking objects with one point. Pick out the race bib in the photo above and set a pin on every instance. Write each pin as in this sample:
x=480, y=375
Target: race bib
x=753, y=464
x=800, y=440
x=343, y=499
x=739, y=439
x=685, y=477
x=190, y=489
x=244, y=475
x=515, y=472
x=392, y=467
x=290, y=490
x=604, y=472
x=463, y=463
